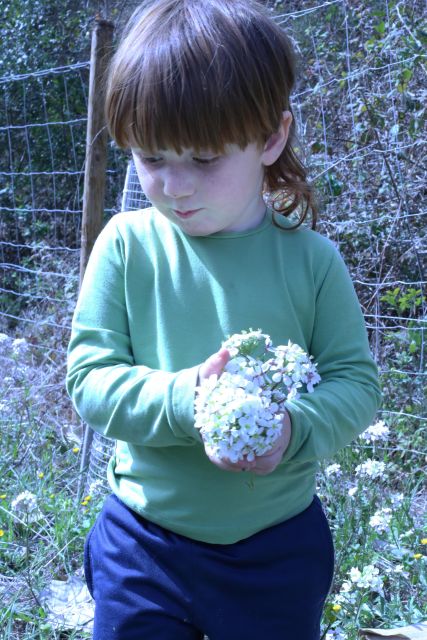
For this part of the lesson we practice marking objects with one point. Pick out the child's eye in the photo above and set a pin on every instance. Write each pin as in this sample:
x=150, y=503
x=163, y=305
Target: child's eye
x=150, y=159
x=206, y=160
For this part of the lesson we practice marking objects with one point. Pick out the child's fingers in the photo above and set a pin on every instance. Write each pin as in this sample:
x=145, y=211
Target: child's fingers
x=226, y=465
x=214, y=364
x=269, y=461
x=267, y=464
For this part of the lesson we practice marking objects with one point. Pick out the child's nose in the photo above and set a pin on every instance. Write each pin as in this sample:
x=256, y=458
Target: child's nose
x=178, y=183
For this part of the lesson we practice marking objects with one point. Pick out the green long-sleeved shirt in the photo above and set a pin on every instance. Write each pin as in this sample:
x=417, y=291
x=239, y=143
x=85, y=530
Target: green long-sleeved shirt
x=154, y=304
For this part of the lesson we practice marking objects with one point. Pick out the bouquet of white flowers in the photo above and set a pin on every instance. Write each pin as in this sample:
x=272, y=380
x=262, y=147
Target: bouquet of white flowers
x=240, y=413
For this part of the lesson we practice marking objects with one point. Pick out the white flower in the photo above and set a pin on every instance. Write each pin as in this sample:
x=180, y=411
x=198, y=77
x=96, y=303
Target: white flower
x=333, y=470
x=368, y=578
x=240, y=414
x=354, y=574
x=381, y=519
x=346, y=587
x=96, y=487
x=396, y=500
x=340, y=598
x=377, y=431
x=407, y=534
x=371, y=469
x=352, y=491
x=244, y=343
x=26, y=507
x=19, y=347
x=400, y=571
x=25, y=502
x=5, y=342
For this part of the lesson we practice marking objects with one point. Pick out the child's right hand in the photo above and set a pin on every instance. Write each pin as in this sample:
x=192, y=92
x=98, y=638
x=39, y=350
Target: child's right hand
x=215, y=365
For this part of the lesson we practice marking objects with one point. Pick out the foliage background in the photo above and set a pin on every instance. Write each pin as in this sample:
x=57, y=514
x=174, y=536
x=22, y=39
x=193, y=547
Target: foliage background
x=360, y=109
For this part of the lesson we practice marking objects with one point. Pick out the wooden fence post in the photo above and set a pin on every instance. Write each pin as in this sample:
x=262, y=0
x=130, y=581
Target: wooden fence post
x=95, y=167
x=96, y=141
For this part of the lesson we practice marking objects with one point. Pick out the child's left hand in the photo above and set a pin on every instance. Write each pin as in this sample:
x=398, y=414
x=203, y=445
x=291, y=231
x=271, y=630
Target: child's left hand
x=261, y=465
x=265, y=464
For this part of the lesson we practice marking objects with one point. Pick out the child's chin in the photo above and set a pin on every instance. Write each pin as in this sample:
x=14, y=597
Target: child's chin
x=196, y=229
x=197, y=232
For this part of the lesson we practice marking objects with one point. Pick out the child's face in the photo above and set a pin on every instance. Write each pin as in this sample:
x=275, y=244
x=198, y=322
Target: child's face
x=205, y=193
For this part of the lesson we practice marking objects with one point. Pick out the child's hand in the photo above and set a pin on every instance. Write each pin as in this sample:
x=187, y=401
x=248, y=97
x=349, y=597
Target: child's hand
x=262, y=465
x=265, y=464
x=215, y=365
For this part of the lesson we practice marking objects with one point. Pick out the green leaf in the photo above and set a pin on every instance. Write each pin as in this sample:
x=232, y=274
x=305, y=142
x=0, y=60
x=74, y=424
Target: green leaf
x=413, y=347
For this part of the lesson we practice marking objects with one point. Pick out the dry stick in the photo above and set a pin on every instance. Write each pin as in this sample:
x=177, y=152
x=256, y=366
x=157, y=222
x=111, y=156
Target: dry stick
x=96, y=162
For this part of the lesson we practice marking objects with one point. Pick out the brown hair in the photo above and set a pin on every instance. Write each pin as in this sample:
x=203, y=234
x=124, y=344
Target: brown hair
x=201, y=74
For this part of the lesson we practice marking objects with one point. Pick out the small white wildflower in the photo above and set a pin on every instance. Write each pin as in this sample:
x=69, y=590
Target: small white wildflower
x=407, y=534
x=368, y=578
x=333, y=470
x=244, y=343
x=381, y=519
x=5, y=343
x=19, y=347
x=352, y=491
x=400, y=571
x=335, y=634
x=339, y=598
x=355, y=574
x=25, y=502
x=96, y=487
x=377, y=431
x=396, y=500
x=347, y=594
x=371, y=469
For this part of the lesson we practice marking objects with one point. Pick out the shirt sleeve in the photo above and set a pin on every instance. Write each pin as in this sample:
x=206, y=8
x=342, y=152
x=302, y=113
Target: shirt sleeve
x=111, y=393
x=347, y=398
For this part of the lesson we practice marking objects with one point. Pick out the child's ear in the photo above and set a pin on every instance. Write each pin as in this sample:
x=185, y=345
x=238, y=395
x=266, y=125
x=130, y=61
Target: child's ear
x=277, y=141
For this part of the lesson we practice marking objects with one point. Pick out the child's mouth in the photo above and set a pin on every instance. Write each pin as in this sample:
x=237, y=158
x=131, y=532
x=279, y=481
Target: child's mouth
x=185, y=214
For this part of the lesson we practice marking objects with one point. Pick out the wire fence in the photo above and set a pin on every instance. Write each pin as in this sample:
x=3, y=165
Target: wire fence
x=359, y=107
x=41, y=169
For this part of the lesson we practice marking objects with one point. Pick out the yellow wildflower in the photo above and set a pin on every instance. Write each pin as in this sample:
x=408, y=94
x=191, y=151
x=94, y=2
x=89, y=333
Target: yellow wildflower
x=417, y=556
x=3, y=496
x=1, y=533
x=336, y=607
x=40, y=475
x=76, y=449
x=423, y=540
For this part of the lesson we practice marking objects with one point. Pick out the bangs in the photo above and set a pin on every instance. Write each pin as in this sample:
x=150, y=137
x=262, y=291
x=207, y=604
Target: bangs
x=199, y=74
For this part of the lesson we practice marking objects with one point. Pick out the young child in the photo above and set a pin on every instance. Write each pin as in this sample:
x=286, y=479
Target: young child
x=199, y=92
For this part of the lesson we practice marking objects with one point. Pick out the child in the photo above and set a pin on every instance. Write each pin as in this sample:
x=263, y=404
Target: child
x=199, y=91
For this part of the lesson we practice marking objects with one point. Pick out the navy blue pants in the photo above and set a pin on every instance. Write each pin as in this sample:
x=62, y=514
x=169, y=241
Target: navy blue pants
x=151, y=584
